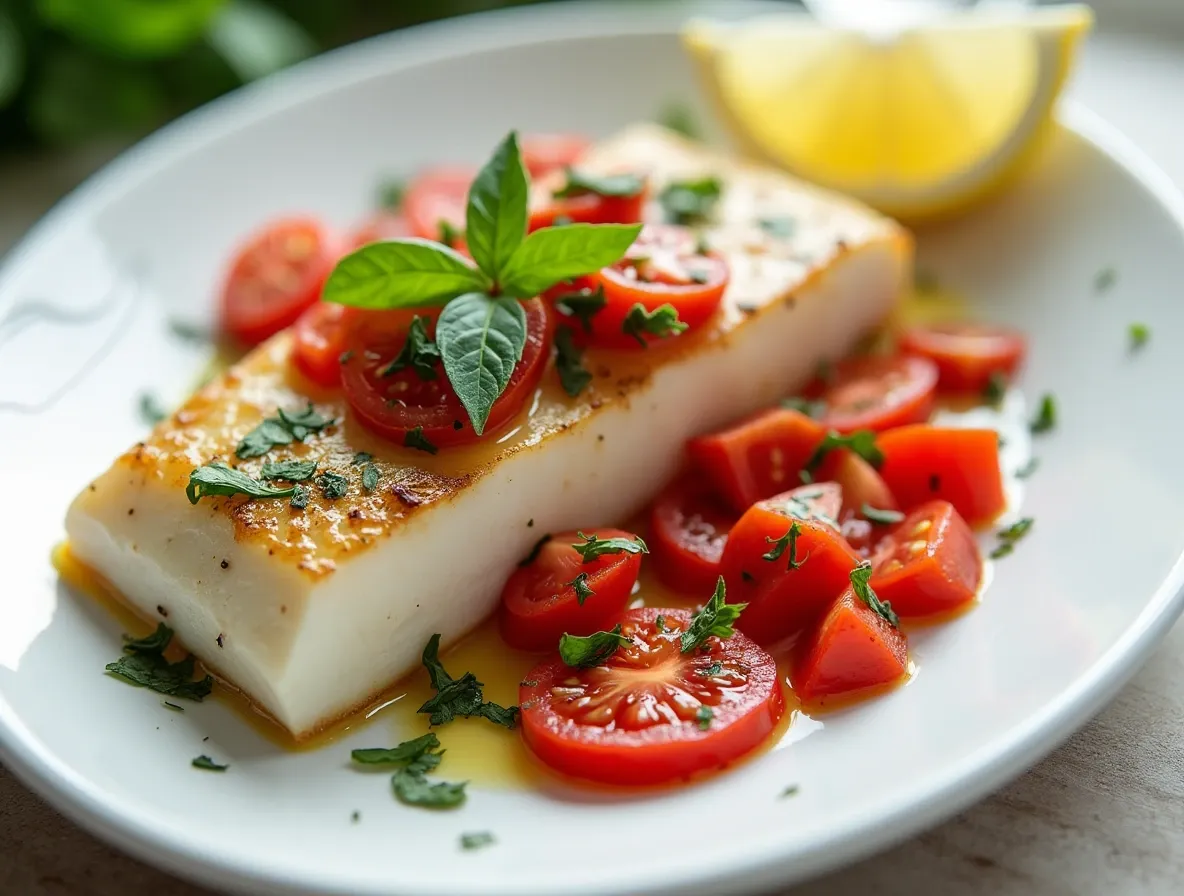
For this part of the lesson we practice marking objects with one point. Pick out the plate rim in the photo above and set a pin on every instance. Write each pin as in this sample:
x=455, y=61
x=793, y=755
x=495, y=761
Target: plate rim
x=886, y=824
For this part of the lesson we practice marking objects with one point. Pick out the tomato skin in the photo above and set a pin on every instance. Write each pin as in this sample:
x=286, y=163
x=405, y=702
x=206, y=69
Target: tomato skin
x=432, y=405
x=922, y=463
x=689, y=527
x=967, y=355
x=850, y=649
x=438, y=194
x=758, y=457
x=544, y=153
x=640, y=748
x=879, y=393
x=276, y=274
x=539, y=604
x=589, y=208
x=781, y=601
x=320, y=337
x=930, y=563
x=862, y=486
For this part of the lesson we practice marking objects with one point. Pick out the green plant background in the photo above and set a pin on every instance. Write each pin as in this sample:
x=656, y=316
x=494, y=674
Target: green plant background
x=75, y=70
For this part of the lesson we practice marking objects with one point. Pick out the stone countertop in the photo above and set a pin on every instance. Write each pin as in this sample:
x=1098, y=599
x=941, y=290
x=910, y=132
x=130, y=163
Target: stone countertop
x=1103, y=814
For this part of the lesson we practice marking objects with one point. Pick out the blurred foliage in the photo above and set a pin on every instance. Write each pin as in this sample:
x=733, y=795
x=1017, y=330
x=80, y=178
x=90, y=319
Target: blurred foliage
x=71, y=70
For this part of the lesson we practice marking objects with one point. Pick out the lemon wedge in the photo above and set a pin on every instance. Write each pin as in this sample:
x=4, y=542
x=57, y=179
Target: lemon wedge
x=920, y=123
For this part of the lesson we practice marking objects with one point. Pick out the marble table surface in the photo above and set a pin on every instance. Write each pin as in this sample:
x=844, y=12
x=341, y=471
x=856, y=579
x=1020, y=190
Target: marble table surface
x=1103, y=814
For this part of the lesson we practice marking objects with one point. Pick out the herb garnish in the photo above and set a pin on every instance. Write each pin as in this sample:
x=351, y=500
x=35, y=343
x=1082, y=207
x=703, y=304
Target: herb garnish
x=778, y=228
x=417, y=757
x=369, y=477
x=679, y=118
x=593, y=650
x=860, y=577
x=711, y=671
x=208, y=764
x=450, y=235
x=788, y=540
x=704, y=716
x=880, y=516
x=581, y=587
x=594, y=546
x=573, y=375
x=333, y=485
x=1009, y=536
x=390, y=194
x=1104, y=279
x=481, y=332
x=791, y=790
x=690, y=201
x=219, y=480
x=144, y=665
x=862, y=442
x=1046, y=416
x=1138, y=334
x=582, y=304
x=581, y=183
x=300, y=496
x=661, y=322
x=460, y=696
x=151, y=410
x=716, y=618
x=996, y=388
x=403, y=753
x=476, y=840
x=534, y=551
x=418, y=352
x=414, y=438
x=291, y=470
x=282, y=429
x=362, y=457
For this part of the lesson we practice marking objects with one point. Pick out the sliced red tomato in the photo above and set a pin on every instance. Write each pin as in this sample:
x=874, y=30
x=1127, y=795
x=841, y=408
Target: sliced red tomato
x=549, y=210
x=787, y=581
x=650, y=713
x=664, y=266
x=541, y=602
x=276, y=274
x=438, y=197
x=320, y=338
x=689, y=527
x=385, y=225
x=961, y=466
x=878, y=393
x=758, y=457
x=850, y=649
x=967, y=355
x=543, y=153
x=930, y=563
x=393, y=405
x=862, y=488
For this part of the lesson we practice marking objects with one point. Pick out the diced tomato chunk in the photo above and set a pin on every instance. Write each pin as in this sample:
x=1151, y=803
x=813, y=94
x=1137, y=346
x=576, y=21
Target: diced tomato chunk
x=689, y=527
x=862, y=488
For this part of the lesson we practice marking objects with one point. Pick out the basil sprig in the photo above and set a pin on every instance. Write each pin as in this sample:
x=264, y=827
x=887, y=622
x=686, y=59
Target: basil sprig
x=481, y=333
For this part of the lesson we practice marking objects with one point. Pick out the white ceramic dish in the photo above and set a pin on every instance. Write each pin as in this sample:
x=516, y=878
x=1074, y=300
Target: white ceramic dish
x=1067, y=619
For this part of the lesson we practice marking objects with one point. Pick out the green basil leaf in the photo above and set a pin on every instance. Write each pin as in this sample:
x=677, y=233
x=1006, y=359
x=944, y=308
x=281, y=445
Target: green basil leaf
x=660, y=323
x=591, y=650
x=573, y=375
x=495, y=220
x=418, y=352
x=291, y=470
x=333, y=485
x=405, y=273
x=412, y=788
x=481, y=339
x=462, y=696
x=580, y=184
x=553, y=254
x=406, y=752
x=282, y=429
x=217, y=479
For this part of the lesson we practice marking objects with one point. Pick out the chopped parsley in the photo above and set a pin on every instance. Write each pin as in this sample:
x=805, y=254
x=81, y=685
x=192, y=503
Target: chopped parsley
x=1138, y=334
x=333, y=485
x=291, y=470
x=779, y=228
x=417, y=440
x=593, y=546
x=462, y=696
x=791, y=790
x=369, y=477
x=581, y=184
x=788, y=540
x=418, y=352
x=812, y=409
x=581, y=587
x=592, y=650
x=282, y=429
x=415, y=758
x=996, y=389
x=661, y=322
x=219, y=480
x=1046, y=415
x=860, y=577
x=300, y=496
x=862, y=442
x=716, y=618
x=582, y=304
x=690, y=202
x=711, y=671
x=534, y=551
x=881, y=517
x=660, y=622
x=1009, y=536
x=144, y=665
x=704, y=717
x=476, y=840
x=573, y=375
x=151, y=410
x=207, y=764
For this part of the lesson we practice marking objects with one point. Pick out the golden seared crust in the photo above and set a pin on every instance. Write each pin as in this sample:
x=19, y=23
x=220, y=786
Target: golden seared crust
x=769, y=264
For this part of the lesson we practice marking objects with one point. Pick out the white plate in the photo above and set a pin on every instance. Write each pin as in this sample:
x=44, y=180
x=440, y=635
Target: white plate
x=1067, y=619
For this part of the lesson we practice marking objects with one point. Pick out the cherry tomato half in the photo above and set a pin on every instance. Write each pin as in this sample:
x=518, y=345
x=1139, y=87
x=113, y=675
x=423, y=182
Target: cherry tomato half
x=689, y=527
x=663, y=267
x=548, y=210
x=961, y=466
x=393, y=405
x=787, y=582
x=930, y=563
x=540, y=601
x=277, y=274
x=438, y=196
x=879, y=393
x=758, y=457
x=543, y=153
x=321, y=336
x=967, y=355
x=650, y=713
